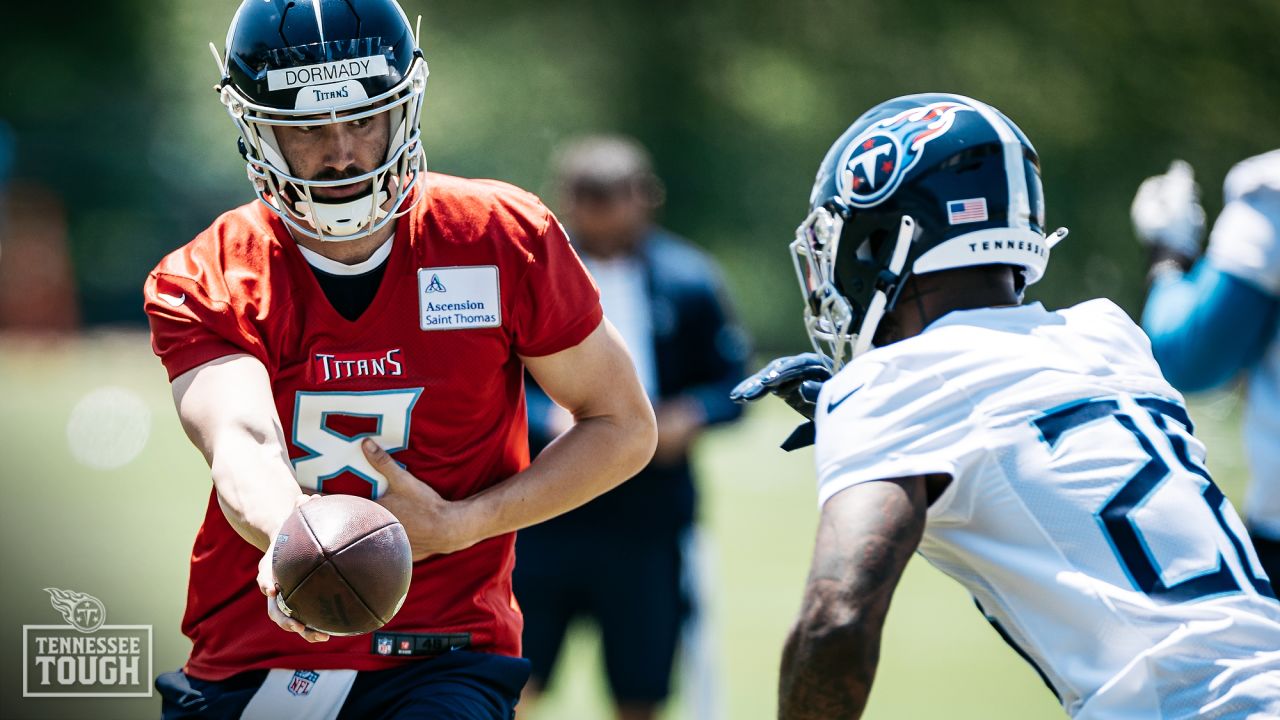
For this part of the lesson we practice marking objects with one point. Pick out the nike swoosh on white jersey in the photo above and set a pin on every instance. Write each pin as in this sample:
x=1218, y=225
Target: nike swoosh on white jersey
x=833, y=404
x=174, y=300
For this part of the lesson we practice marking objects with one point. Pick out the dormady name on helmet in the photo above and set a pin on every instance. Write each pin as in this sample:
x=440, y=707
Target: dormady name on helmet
x=355, y=68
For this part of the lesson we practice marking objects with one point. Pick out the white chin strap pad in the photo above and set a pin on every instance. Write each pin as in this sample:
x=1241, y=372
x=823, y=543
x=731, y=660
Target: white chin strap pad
x=341, y=220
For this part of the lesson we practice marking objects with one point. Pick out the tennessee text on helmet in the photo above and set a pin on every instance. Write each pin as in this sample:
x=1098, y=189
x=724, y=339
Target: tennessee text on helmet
x=918, y=184
x=321, y=62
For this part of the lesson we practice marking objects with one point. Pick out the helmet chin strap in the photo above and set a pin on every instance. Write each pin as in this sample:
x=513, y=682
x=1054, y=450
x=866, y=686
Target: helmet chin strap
x=876, y=308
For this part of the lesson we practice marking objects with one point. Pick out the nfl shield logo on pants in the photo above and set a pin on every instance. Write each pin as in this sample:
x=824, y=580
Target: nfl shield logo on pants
x=303, y=681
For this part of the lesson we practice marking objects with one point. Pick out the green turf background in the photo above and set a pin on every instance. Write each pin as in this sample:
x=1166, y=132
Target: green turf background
x=124, y=535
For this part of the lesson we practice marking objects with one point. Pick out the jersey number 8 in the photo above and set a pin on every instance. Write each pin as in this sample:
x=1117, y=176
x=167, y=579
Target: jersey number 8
x=319, y=419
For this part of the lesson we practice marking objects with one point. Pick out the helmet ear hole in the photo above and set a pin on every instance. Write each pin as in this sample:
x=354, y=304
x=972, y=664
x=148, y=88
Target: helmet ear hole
x=878, y=242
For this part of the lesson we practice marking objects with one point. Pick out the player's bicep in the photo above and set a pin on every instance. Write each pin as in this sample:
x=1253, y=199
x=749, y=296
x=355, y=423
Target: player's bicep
x=227, y=399
x=594, y=378
x=866, y=535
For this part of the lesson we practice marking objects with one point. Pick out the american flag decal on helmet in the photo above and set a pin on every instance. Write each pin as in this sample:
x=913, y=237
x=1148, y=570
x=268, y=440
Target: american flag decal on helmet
x=967, y=211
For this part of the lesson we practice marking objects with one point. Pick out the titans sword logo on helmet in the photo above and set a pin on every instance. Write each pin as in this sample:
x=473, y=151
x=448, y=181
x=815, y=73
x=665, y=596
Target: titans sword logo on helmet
x=872, y=166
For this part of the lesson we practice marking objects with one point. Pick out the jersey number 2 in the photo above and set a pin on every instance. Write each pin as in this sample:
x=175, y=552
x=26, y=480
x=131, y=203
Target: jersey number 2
x=330, y=425
x=1116, y=515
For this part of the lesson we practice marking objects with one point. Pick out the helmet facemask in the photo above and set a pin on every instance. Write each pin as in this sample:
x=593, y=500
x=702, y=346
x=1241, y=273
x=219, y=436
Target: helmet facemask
x=841, y=321
x=390, y=184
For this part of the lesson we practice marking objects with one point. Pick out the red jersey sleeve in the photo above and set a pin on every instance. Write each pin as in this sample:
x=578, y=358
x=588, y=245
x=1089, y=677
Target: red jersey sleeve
x=192, y=317
x=558, y=304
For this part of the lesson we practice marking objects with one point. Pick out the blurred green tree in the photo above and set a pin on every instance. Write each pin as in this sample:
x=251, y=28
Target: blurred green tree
x=738, y=100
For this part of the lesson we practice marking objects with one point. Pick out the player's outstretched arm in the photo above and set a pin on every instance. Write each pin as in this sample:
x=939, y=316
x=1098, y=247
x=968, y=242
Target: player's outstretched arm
x=1207, y=326
x=866, y=535
x=227, y=409
x=612, y=438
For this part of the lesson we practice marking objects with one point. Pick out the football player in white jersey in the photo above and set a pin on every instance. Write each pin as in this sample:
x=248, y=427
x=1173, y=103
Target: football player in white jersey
x=1039, y=458
x=1216, y=318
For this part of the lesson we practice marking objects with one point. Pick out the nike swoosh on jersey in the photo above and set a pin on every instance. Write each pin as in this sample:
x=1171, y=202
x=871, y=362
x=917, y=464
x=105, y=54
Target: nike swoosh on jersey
x=833, y=404
x=174, y=300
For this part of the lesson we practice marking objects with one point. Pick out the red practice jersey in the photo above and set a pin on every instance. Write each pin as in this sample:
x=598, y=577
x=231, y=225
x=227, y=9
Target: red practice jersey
x=479, y=274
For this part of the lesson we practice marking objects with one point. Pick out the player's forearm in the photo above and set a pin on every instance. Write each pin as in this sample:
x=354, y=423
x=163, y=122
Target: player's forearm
x=1207, y=326
x=227, y=410
x=866, y=536
x=255, y=487
x=594, y=456
x=828, y=664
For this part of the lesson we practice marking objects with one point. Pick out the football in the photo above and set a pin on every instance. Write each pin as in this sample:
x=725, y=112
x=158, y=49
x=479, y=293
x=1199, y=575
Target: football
x=342, y=564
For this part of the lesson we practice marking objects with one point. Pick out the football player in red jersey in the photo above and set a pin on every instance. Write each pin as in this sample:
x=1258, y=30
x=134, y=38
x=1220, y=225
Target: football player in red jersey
x=363, y=327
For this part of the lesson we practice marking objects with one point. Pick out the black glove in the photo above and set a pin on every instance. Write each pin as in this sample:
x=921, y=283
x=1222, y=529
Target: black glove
x=796, y=379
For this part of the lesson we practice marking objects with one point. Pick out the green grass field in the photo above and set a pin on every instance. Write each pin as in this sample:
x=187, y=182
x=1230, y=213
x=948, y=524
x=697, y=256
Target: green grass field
x=124, y=535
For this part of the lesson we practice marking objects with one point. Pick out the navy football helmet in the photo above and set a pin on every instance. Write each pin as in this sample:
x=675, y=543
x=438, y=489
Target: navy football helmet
x=317, y=62
x=918, y=184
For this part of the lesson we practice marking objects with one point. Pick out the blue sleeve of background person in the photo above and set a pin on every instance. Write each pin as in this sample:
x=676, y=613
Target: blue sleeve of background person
x=724, y=357
x=539, y=407
x=709, y=354
x=1207, y=326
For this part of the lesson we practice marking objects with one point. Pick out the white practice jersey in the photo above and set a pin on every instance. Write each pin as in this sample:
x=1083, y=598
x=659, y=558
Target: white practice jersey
x=1246, y=243
x=1080, y=515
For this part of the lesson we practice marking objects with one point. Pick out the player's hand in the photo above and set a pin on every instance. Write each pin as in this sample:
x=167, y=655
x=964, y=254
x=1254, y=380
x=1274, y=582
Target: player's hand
x=796, y=379
x=1166, y=211
x=427, y=517
x=267, y=584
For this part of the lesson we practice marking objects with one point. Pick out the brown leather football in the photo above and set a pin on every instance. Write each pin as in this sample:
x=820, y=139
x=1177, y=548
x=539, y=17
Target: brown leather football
x=343, y=565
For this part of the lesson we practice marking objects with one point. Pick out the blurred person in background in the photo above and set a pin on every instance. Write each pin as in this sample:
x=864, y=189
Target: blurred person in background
x=6, y=167
x=621, y=559
x=1214, y=318
x=38, y=292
